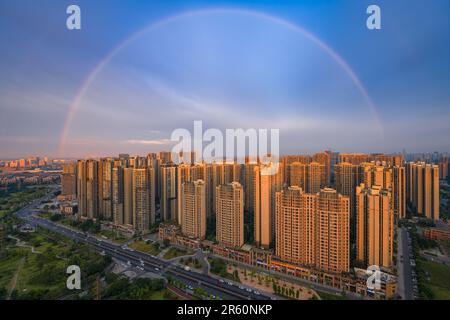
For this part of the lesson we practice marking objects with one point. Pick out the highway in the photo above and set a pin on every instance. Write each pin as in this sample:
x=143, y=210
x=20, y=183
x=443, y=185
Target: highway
x=218, y=287
x=405, y=284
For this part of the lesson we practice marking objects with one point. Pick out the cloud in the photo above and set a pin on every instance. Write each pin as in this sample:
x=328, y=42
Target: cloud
x=149, y=142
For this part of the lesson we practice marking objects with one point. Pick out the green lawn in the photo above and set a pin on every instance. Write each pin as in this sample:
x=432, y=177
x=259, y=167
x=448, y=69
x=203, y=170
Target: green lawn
x=175, y=252
x=43, y=275
x=330, y=296
x=149, y=248
x=439, y=281
x=114, y=236
x=191, y=262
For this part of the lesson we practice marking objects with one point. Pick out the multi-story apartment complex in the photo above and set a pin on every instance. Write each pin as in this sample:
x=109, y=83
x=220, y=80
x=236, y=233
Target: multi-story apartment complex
x=69, y=180
x=168, y=201
x=230, y=214
x=423, y=188
x=374, y=225
x=143, y=198
x=193, y=207
x=313, y=229
x=267, y=180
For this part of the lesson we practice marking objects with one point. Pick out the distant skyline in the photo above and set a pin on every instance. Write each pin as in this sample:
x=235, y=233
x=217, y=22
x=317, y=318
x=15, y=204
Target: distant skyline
x=137, y=71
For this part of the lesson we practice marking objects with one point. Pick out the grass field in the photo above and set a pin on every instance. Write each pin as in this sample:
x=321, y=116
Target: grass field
x=145, y=247
x=42, y=275
x=175, y=252
x=438, y=279
x=114, y=236
x=330, y=296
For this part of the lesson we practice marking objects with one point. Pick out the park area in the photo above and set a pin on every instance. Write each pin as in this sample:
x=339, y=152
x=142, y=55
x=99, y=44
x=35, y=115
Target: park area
x=143, y=246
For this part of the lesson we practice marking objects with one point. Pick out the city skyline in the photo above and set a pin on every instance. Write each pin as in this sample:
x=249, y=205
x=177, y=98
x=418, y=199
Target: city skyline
x=162, y=67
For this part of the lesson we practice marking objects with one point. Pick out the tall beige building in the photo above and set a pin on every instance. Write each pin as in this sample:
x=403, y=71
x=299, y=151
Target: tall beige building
x=81, y=187
x=316, y=177
x=295, y=226
x=346, y=177
x=91, y=189
x=310, y=177
x=224, y=173
x=354, y=158
x=165, y=157
x=168, y=203
x=128, y=197
x=443, y=167
x=375, y=226
x=143, y=198
x=375, y=175
x=399, y=191
x=183, y=175
x=299, y=175
x=105, y=188
x=313, y=229
x=203, y=171
x=324, y=158
x=69, y=180
x=193, y=208
x=117, y=194
x=423, y=189
x=268, y=179
x=288, y=160
x=230, y=214
x=332, y=231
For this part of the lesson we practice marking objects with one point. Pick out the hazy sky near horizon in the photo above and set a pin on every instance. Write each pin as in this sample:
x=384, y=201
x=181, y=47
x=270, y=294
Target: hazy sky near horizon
x=231, y=64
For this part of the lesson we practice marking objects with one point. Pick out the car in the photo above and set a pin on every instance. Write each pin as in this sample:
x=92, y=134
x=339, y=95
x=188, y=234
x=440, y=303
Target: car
x=229, y=283
x=257, y=292
x=221, y=281
x=156, y=269
x=241, y=287
x=248, y=290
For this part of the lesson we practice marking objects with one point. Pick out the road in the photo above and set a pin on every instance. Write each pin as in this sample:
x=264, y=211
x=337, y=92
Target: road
x=405, y=284
x=214, y=286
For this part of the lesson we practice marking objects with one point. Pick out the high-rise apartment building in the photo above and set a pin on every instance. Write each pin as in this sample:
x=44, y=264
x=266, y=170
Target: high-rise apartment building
x=183, y=175
x=313, y=229
x=443, y=167
x=128, y=197
x=117, y=194
x=268, y=179
x=91, y=189
x=375, y=226
x=69, y=180
x=346, y=177
x=324, y=158
x=81, y=187
x=230, y=214
x=143, y=198
x=193, y=209
x=399, y=191
x=165, y=157
x=310, y=177
x=423, y=188
x=168, y=203
x=288, y=160
x=332, y=231
x=105, y=188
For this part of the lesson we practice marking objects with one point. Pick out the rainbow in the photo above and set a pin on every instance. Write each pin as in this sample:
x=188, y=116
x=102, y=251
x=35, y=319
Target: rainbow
x=335, y=56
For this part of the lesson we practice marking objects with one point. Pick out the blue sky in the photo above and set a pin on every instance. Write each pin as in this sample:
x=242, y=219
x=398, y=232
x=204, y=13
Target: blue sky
x=231, y=64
